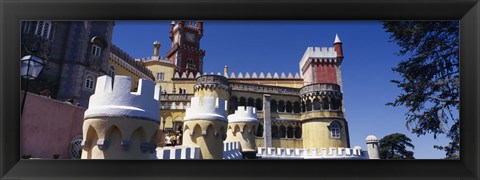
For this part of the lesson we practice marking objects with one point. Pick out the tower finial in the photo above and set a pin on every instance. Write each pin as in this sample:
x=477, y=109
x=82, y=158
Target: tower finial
x=337, y=39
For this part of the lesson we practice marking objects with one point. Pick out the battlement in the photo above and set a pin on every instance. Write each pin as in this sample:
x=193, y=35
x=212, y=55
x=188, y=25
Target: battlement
x=312, y=153
x=254, y=75
x=115, y=99
x=244, y=114
x=206, y=108
x=327, y=54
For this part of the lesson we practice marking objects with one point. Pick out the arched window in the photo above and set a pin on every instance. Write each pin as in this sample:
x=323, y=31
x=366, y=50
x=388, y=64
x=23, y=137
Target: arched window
x=43, y=29
x=76, y=147
x=259, y=104
x=303, y=107
x=316, y=104
x=298, y=132
x=111, y=71
x=296, y=107
x=290, y=132
x=281, y=106
x=275, y=131
x=288, y=107
x=89, y=82
x=243, y=101
x=326, y=104
x=250, y=102
x=335, y=130
x=334, y=104
x=282, y=131
x=309, y=105
x=259, y=132
x=233, y=104
x=273, y=105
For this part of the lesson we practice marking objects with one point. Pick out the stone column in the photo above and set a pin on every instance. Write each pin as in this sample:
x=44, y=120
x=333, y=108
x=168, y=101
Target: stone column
x=267, y=124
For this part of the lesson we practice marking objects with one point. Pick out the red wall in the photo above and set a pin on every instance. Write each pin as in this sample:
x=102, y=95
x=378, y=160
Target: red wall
x=48, y=126
x=326, y=73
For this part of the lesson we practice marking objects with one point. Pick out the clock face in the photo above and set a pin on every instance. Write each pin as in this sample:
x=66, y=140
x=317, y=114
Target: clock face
x=190, y=37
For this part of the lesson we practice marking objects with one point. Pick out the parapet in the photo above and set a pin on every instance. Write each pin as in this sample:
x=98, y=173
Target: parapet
x=118, y=101
x=206, y=108
x=311, y=153
x=244, y=114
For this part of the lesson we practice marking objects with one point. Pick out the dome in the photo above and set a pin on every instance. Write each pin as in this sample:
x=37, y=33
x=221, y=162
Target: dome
x=371, y=138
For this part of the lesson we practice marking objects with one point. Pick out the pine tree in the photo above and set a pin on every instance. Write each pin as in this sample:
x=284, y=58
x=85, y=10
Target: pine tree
x=394, y=146
x=430, y=78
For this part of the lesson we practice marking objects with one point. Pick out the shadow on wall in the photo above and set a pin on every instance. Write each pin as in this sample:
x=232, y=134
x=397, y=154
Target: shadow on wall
x=48, y=127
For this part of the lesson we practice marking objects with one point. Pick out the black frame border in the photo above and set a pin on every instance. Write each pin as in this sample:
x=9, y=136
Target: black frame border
x=12, y=11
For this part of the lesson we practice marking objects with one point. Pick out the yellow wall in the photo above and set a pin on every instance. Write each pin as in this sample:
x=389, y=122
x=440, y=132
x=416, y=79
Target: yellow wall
x=281, y=143
x=316, y=134
x=123, y=70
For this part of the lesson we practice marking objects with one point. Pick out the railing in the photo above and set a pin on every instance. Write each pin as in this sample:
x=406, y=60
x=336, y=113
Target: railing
x=176, y=97
x=319, y=87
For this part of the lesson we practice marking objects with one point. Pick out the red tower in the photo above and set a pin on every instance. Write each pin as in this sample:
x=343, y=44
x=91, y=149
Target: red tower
x=322, y=65
x=185, y=52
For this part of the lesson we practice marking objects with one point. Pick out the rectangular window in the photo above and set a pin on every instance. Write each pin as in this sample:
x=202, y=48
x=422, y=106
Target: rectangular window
x=96, y=50
x=160, y=76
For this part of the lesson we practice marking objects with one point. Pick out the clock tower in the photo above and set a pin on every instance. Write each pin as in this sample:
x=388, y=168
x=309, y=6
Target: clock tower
x=185, y=52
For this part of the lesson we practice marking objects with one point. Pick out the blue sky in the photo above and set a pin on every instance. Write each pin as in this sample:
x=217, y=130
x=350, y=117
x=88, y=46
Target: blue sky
x=277, y=46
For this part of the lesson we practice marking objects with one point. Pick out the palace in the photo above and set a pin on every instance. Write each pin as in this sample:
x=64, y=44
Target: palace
x=265, y=115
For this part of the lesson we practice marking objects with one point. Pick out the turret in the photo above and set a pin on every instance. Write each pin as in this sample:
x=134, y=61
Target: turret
x=205, y=122
x=172, y=25
x=241, y=127
x=337, y=44
x=200, y=28
x=372, y=147
x=120, y=124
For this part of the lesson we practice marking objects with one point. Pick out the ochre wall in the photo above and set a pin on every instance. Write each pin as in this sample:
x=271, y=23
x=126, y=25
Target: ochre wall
x=283, y=142
x=316, y=134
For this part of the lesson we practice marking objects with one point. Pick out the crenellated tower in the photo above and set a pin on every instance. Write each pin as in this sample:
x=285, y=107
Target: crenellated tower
x=242, y=126
x=205, y=122
x=185, y=52
x=120, y=124
x=323, y=121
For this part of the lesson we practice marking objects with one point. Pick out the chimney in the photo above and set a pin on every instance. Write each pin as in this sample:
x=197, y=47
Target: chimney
x=225, y=71
x=156, y=48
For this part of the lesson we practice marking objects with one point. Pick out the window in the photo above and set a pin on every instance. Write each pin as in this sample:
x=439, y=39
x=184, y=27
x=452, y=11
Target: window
x=160, y=76
x=96, y=50
x=26, y=26
x=43, y=29
x=190, y=64
x=335, y=130
x=111, y=71
x=76, y=147
x=89, y=82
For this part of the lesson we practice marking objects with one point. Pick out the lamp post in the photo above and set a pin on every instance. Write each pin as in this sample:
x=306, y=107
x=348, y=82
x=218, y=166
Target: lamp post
x=30, y=67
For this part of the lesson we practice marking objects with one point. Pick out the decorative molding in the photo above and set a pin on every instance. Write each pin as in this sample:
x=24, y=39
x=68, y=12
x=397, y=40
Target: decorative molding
x=264, y=89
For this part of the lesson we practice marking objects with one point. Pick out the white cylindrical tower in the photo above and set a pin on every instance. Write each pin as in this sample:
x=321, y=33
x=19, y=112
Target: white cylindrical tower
x=120, y=124
x=241, y=127
x=372, y=147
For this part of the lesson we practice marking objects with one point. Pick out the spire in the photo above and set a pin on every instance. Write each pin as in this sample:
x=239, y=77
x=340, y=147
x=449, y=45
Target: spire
x=337, y=39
